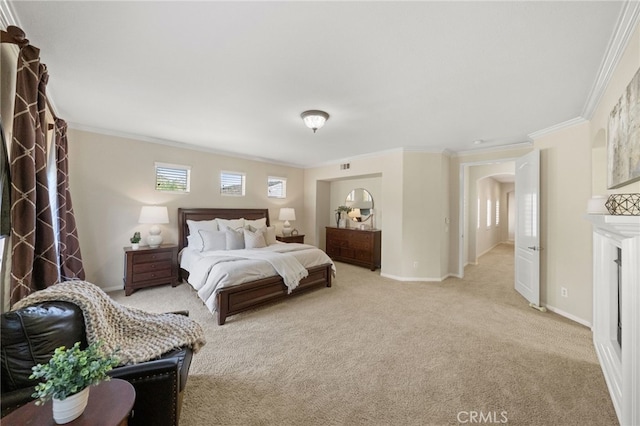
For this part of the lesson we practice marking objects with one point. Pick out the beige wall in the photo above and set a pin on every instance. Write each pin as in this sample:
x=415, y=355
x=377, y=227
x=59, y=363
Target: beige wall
x=410, y=208
x=112, y=177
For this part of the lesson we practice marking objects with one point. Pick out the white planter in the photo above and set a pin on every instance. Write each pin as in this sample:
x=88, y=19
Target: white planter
x=135, y=246
x=70, y=408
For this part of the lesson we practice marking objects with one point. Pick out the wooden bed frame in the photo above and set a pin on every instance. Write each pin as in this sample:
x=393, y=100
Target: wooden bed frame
x=232, y=300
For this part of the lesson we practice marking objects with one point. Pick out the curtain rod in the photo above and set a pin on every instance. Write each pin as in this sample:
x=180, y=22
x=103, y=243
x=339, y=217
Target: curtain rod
x=15, y=35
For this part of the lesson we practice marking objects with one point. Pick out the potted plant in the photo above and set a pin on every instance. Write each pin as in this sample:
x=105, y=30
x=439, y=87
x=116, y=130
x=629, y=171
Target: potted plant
x=135, y=241
x=67, y=377
x=339, y=211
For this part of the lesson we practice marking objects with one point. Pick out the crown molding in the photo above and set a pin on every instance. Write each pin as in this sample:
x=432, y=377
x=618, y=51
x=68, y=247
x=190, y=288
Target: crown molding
x=556, y=127
x=499, y=148
x=627, y=23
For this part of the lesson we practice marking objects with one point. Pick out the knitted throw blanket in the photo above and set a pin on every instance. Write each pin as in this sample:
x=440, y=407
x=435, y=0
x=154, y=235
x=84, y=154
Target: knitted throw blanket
x=138, y=335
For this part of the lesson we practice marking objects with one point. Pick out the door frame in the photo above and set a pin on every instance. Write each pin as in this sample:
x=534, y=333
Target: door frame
x=461, y=206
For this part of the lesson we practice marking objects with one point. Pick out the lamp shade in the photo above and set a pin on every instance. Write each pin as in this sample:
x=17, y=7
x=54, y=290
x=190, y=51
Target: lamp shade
x=154, y=214
x=287, y=213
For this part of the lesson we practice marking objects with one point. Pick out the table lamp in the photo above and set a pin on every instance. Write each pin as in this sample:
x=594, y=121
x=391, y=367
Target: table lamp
x=154, y=215
x=287, y=214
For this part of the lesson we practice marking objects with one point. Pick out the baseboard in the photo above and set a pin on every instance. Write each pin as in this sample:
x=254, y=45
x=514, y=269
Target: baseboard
x=429, y=279
x=569, y=316
x=111, y=289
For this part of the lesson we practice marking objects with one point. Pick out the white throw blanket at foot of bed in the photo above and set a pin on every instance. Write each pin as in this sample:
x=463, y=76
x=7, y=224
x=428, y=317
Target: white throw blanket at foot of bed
x=137, y=335
x=213, y=270
x=287, y=266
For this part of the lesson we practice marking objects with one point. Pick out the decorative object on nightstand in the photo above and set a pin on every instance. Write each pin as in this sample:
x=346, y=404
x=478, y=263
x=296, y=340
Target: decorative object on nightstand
x=135, y=241
x=148, y=267
x=294, y=232
x=298, y=238
x=154, y=215
x=287, y=214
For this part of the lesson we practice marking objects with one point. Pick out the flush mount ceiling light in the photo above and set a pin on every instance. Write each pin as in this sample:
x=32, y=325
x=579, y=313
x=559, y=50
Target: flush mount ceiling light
x=314, y=119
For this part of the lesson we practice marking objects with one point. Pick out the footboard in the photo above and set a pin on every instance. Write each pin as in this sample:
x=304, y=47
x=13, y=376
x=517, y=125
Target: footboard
x=246, y=296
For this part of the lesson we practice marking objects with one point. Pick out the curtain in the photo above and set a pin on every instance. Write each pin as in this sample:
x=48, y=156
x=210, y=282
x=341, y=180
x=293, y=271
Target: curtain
x=5, y=187
x=68, y=244
x=33, y=255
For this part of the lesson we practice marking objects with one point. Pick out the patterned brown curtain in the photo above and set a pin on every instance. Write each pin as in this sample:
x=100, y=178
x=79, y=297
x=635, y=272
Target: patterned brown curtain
x=68, y=244
x=33, y=255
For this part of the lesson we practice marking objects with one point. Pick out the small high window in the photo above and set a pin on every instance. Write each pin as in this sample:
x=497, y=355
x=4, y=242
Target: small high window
x=172, y=177
x=232, y=183
x=276, y=187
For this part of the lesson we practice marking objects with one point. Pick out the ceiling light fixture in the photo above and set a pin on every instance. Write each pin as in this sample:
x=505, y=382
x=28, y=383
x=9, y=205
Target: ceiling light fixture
x=314, y=119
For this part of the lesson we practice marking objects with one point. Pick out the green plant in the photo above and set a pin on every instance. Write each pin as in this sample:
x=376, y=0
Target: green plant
x=345, y=209
x=136, y=238
x=71, y=370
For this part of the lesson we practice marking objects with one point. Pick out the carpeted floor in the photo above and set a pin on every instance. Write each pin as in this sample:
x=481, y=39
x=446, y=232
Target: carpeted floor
x=373, y=351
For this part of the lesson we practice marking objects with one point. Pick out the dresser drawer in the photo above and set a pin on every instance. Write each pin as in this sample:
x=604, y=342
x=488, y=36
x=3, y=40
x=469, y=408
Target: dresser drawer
x=139, y=268
x=147, y=276
x=152, y=257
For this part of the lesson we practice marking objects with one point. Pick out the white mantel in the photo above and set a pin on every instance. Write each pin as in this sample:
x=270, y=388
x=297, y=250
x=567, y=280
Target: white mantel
x=621, y=367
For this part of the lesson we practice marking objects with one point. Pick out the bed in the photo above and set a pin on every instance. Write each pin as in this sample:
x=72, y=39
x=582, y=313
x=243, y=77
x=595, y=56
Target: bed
x=231, y=299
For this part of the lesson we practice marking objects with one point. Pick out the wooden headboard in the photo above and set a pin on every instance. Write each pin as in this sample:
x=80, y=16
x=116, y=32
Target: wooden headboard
x=208, y=214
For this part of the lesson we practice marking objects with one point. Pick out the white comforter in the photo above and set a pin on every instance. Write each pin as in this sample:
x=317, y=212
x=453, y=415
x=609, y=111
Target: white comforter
x=213, y=270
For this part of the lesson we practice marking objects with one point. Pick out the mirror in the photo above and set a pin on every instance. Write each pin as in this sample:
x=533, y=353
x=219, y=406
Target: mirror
x=361, y=201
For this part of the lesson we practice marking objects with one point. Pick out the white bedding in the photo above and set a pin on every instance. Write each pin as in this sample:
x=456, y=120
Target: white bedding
x=212, y=270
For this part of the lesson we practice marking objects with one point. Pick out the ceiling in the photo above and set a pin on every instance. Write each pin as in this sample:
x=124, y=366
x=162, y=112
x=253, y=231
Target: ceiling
x=233, y=77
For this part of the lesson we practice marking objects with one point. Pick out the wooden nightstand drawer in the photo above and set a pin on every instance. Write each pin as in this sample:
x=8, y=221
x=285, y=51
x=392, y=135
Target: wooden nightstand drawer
x=154, y=275
x=151, y=266
x=152, y=257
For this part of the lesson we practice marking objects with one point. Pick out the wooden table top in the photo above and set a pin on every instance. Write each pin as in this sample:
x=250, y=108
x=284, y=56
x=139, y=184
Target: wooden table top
x=109, y=405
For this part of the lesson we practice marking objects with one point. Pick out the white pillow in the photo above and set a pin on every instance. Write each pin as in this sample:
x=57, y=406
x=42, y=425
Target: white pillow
x=230, y=223
x=234, y=239
x=196, y=225
x=195, y=242
x=254, y=239
x=213, y=240
x=270, y=235
x=257, y=224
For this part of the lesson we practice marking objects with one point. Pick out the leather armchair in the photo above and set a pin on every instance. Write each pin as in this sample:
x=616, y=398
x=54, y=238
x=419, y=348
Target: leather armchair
x=30, y=335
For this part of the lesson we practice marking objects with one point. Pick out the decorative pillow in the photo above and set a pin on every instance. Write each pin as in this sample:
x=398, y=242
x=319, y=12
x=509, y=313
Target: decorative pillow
x=196, y=225
x=230, y=223
x=257, y=224
x=254, y=239
x=270, y=235
x=234, y=239
x=195, y=242
x=213, y=240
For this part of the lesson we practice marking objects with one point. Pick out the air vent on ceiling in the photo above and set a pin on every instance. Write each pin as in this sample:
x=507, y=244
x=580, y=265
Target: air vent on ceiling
x=345, y=166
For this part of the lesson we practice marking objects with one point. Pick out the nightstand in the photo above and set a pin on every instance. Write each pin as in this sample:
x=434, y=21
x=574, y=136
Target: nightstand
x=291, y=238
x=148, y=267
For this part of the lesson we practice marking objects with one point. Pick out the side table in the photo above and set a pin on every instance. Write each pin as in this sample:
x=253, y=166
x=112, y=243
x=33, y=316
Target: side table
x=148, y=267
x=291, y=238
x=109, y=405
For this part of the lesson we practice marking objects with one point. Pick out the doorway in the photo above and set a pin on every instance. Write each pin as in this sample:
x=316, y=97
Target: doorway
x=487, y=216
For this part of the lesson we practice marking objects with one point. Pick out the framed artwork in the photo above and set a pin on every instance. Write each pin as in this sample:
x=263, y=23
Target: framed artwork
x=623, y=141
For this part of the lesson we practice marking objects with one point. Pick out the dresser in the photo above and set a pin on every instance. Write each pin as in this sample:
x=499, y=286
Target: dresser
x=148, y=267
x=359, y=247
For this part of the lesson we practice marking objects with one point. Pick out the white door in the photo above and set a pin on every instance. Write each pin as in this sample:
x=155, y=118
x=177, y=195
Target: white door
x=527, y=261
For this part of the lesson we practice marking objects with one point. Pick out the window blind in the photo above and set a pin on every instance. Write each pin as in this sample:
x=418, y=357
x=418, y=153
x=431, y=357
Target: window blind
x=276, y=187
x=172, y=177
x=232, y=183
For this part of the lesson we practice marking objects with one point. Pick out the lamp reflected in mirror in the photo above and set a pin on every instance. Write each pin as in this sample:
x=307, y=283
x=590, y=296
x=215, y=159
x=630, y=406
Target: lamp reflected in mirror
x=361, y=203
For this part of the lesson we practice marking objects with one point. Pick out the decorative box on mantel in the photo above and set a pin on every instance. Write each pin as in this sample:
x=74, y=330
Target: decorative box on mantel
x=616, y=309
